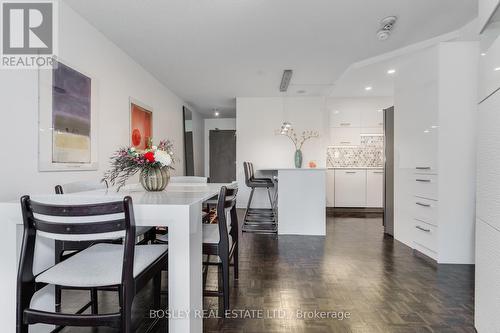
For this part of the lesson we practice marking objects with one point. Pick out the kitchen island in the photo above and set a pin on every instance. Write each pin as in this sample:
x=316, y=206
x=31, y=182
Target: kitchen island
x=301, y=200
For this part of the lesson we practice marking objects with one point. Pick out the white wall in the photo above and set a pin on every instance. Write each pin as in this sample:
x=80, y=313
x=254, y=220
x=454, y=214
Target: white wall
x=211, y=124
x=118, y=78
x=256, y=122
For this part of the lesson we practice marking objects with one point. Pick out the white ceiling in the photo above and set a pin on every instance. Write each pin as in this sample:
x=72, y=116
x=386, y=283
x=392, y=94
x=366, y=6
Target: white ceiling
x=211, y=51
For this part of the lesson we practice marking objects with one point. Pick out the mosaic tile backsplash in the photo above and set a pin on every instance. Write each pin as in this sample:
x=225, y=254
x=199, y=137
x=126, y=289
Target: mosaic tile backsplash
x=370, y=154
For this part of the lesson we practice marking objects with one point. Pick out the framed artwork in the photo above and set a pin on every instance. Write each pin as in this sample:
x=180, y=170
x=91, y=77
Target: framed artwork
x=67, y=119
x=141, y=125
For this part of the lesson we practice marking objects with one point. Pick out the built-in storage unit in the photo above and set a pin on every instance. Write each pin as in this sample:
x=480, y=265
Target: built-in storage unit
x=487, y=281
x=357, y=188
x=435, y=117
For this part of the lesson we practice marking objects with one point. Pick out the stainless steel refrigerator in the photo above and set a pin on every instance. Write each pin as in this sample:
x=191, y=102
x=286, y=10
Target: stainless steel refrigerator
x=389, y=171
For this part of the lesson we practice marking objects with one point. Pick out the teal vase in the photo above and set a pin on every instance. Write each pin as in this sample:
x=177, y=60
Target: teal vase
x=298, y=159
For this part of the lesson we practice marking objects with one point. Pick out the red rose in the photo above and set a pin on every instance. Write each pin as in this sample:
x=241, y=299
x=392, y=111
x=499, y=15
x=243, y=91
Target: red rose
x=150, y=156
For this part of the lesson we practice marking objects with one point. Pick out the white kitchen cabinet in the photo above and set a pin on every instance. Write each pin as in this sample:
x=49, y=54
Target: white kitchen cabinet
x=435, y=135
x=330, y=188
x=372, y=118
x=348, y=118
x=374, y=188
x=340, y=136
x=350, y=188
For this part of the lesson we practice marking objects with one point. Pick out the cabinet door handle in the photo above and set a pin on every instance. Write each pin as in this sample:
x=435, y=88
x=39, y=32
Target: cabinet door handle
x=345, y=142
x=422, y=228
x=423, y=204
x=423, y=180
x=351, y=172
x=423, y=168
x=380, y=124
x=345, y=124
x=378, y=172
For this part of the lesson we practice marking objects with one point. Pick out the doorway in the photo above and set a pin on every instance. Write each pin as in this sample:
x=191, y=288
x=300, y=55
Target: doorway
x=222, y=156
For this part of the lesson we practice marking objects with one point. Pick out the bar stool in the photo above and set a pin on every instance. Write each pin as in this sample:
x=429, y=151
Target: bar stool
x=259, y=220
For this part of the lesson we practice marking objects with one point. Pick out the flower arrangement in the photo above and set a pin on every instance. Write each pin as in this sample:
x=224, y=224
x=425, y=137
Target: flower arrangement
x=298, y=141
x=127, y=161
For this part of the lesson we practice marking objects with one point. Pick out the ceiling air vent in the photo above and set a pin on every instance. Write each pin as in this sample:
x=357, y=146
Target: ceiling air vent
x=285, y=79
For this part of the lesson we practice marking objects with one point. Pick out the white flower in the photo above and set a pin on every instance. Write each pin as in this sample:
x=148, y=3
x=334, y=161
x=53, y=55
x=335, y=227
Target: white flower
x=132, y=149
x=153, y=148
x=163, y=157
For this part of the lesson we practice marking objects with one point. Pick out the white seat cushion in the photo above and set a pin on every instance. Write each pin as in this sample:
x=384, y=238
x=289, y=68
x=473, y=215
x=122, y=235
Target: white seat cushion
x=163, y=238
x=211, y=233
x=99, y=265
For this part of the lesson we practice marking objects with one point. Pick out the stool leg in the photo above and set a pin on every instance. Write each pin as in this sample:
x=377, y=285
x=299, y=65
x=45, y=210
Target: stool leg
x=249, y=202
x=270, y=199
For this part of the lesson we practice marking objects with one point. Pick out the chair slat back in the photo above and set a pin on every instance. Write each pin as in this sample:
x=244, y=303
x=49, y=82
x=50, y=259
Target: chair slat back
x=226, y=205
x=78, y=222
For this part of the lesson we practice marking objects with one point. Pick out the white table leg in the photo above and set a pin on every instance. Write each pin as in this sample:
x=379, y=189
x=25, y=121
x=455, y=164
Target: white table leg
x=185, y=271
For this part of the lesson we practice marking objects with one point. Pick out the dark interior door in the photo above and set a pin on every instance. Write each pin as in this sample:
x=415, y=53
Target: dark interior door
x=222, y=145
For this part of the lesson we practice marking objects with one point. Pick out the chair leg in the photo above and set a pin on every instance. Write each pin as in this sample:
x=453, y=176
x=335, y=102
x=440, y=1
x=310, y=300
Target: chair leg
x=93, y=301
x=236, y=262
x=25, y=294
x=157, y=290
x=225, y=280
x=126, y=310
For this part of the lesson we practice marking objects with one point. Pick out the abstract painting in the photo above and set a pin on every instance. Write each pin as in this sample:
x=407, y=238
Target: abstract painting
x=71, y=116
x=67, y=118
x=141, y=126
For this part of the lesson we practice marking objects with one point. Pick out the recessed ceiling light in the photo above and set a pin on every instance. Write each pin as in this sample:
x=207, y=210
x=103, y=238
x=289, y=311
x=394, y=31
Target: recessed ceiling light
x=483, y=54
x=497, y=69
x=336, y=111
x=216, y=113
x=434, y=126
x=426, y=131
x=391, y=71
x=368, y=88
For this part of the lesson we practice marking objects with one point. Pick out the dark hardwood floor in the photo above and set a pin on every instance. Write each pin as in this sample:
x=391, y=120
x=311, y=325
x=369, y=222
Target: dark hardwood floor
x=355, y=269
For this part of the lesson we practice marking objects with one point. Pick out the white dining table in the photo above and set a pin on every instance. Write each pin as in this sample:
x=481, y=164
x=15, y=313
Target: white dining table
x=178, y=207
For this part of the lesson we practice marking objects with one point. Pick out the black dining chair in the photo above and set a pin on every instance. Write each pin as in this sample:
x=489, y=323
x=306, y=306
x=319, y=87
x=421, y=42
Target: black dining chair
x=221, y=240
x=65, y=249
x=126, y=266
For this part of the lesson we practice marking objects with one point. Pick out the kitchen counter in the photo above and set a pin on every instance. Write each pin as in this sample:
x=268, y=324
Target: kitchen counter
x=301, y=200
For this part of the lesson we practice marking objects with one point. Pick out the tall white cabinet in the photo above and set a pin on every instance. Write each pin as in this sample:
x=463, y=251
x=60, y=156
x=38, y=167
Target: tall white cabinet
x=487, y=293
x=435, y=131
